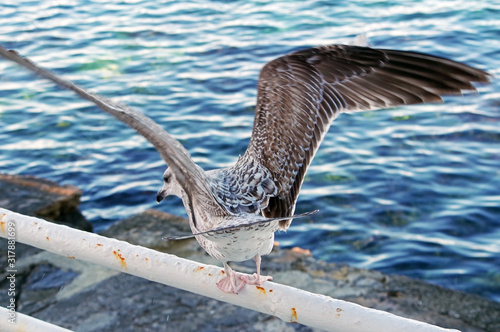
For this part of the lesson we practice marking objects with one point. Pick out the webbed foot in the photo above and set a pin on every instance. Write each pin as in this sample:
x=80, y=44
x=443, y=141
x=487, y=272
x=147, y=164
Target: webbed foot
x=232, y=282
x=255, y=279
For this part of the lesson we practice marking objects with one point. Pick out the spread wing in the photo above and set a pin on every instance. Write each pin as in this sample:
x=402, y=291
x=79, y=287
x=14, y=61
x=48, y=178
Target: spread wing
x=187, y=173
x=300, y=94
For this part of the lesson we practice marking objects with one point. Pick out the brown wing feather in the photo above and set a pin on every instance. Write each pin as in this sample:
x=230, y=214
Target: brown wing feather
x=300, y=94
x=188, y=174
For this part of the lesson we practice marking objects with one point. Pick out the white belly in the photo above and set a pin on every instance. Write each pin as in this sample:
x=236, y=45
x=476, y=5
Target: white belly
x=237, y=245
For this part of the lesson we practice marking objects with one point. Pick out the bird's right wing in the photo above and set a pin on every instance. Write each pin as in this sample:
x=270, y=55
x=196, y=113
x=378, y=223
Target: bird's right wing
x=187, y=173
x=300, y=94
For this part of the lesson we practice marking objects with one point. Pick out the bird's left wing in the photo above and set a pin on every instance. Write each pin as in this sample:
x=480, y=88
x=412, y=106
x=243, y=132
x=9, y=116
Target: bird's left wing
x=188, y=174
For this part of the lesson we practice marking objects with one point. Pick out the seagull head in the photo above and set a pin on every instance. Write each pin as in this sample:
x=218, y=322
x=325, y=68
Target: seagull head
x=170, y=186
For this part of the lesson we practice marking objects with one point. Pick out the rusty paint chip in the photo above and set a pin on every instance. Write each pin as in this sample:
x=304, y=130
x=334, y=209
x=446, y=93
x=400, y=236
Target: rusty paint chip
x=294, y=316
x=2, y=223
x=261, y=289
x=120, y=257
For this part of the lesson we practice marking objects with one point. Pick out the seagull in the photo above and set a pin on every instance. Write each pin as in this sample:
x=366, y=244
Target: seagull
x=235, y=211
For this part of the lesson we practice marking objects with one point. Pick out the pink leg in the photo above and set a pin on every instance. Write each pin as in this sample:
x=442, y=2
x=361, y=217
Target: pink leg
x=232, y=282
x=256, y=278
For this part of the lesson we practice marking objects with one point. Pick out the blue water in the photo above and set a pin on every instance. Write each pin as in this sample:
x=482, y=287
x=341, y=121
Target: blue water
x=411, y=190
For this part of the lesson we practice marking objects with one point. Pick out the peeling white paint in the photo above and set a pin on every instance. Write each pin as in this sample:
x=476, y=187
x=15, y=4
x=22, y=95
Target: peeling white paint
x=287, y=303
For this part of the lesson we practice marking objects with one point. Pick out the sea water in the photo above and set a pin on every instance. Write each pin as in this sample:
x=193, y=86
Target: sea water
x=411, y=190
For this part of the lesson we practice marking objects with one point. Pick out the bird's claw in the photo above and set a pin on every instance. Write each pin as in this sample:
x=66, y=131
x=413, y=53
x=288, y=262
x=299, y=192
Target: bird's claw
x=255, y=279
x=231, y=286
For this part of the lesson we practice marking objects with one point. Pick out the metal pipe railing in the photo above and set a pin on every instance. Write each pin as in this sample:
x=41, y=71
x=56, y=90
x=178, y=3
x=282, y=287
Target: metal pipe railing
x=288, y=303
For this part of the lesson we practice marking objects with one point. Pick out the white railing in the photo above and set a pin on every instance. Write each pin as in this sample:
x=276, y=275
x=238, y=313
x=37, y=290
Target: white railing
x=288, y=303
x=25, y=323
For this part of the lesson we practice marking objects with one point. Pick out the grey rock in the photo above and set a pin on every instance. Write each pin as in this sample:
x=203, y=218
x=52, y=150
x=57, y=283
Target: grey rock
x=42, y=198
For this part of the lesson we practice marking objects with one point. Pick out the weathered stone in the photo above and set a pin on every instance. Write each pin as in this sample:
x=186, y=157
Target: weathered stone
x=42, y=198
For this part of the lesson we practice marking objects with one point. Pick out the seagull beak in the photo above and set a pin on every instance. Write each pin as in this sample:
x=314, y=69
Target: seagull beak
x=161, y=195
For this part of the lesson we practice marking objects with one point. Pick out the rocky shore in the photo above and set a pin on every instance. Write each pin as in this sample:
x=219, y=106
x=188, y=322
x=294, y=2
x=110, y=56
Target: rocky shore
x=85, y=297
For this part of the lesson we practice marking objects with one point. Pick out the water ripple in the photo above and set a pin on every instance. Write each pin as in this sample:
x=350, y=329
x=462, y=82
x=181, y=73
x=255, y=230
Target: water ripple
x=411, y=190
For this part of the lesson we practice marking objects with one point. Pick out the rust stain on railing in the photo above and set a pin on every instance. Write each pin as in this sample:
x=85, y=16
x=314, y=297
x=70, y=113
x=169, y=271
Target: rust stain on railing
x=294, y=318
x=120, y=258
